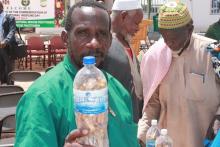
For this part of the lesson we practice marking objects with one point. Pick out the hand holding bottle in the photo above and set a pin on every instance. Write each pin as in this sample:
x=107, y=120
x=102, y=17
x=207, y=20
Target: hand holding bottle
x=71, y=139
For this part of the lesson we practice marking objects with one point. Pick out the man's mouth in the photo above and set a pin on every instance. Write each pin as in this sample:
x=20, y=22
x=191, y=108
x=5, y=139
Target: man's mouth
x=96, y=54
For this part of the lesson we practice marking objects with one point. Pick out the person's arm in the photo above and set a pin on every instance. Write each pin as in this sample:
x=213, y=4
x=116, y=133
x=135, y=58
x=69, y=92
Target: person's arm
x=214, y=126
x=212, y=131
x=152, y=111
x=12, y=30
x=35, y=121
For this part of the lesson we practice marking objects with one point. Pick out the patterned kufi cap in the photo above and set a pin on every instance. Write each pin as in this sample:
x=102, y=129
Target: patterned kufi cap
x=173, y=15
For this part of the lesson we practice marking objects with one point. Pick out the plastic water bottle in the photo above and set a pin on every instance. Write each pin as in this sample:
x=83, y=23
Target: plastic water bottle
x=152, y=133
x=164, y=140
x=91, y=103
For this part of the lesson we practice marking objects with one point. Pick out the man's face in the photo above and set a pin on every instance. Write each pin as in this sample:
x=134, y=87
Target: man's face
x=132, y=21
x=177, y=39
x=90, y=34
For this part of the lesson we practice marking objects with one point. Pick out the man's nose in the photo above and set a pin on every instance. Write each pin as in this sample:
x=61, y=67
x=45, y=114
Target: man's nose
x=93, y=44
x=170, y=43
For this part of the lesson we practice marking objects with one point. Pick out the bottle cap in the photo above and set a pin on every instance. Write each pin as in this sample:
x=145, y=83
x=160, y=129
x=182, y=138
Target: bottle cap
x=153, y=122
x=89, y=60
x=163, y=132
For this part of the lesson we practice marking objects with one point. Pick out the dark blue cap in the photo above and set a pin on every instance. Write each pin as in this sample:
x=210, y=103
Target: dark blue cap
x=89, y=60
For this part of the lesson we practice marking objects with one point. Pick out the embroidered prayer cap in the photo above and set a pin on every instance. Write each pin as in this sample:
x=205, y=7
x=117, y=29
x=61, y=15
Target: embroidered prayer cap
x=126, y=5
x=173, y=15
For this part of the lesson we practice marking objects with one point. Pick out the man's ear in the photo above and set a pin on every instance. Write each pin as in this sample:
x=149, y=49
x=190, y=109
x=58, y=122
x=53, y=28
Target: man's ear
x=192, y=28
x=124, y=14
x=64, y=37
x=110, y=42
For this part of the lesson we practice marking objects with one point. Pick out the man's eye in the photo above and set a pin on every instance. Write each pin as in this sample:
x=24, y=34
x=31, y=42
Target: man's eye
x=82, y=33
x=103, y=33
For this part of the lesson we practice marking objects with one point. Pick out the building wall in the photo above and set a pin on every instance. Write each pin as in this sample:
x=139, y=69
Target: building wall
x=201, y=13
x=109, y=4
x=199, y=9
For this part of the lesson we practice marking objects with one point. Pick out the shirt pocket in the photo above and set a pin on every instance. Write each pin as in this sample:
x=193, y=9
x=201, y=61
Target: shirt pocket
x=196, y=87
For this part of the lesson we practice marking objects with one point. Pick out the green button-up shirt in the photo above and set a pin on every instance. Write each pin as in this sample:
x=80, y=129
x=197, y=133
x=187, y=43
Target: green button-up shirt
x=45, y=113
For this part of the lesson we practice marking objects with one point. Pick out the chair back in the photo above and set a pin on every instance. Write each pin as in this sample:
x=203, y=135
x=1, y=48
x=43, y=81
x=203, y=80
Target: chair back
x=10, y=99
x=35, y=43
x=23, y=76
x=10, y=88
x=56, y=42
x=8, y=103
x=7, y=142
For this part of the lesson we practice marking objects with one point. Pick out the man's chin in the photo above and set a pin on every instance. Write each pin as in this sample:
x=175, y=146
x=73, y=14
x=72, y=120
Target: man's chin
x=128, y=38
x=175, y=49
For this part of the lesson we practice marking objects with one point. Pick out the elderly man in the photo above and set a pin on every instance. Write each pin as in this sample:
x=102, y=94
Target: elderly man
x=45, y=114
x=121, y=61
x=180, y=89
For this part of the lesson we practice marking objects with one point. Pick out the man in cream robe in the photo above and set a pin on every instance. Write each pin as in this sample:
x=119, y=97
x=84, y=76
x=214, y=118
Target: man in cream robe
x=188, y=96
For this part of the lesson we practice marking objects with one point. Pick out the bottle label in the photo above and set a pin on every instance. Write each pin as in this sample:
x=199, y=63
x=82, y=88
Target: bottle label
x=91, y=102
x=150, y=143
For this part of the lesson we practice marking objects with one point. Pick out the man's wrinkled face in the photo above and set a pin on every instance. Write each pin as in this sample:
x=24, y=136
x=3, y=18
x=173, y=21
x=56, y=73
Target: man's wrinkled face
x=90, y=34
x=176, y=39
x=132, y=21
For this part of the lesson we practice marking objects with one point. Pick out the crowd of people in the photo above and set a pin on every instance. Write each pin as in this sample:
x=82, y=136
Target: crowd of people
x=176, y=82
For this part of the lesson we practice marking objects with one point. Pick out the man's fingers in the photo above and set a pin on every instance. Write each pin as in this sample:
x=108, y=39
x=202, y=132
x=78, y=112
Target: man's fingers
x=72, y=145
x=80, y=145
x=76, y=134
x=75, y=145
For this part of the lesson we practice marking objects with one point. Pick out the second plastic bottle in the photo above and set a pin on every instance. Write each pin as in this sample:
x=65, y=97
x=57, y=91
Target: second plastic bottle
x=152, y=133
x=164, y=140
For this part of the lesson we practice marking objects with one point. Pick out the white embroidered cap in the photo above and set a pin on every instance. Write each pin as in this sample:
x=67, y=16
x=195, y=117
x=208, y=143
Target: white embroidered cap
x=126, y=5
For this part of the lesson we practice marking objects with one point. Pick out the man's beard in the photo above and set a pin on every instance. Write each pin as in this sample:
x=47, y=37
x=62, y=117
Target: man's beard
x=78, y=59
x=180, y=50
x=96, y=53
x=128, y=38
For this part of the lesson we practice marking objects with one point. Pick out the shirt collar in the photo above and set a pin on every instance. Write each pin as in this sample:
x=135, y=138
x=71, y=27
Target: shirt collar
x=69, y=66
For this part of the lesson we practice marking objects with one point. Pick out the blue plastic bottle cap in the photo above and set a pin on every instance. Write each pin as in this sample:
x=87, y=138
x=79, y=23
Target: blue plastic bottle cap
x=89, y=60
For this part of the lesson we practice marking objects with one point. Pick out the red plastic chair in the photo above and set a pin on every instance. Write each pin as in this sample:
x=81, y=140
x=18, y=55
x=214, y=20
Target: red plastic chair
x=36, y=47
x=57, y=47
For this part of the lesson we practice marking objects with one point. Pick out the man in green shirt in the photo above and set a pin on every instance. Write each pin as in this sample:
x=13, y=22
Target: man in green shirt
x=45, y=116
